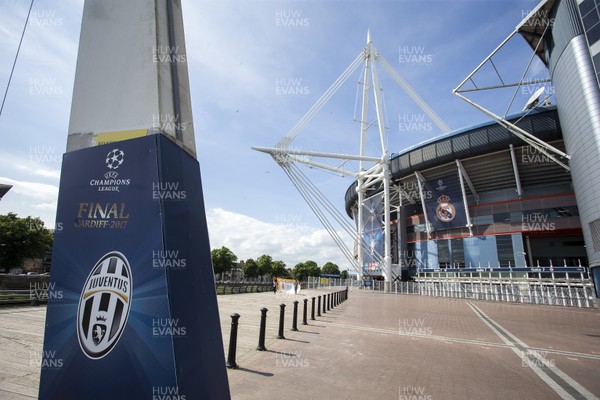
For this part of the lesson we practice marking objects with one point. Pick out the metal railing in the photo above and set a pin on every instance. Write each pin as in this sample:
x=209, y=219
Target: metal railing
x=20, y=296
x=565, y=291
x=324, y=283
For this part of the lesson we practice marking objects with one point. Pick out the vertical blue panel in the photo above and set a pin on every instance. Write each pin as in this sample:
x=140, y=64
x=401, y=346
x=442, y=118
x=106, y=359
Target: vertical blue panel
x=519, y=250
x=480, y=251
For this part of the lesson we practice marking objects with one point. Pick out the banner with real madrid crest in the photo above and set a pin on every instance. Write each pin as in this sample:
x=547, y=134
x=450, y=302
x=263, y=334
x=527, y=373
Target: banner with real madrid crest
x=138, y=315
x=444, y=202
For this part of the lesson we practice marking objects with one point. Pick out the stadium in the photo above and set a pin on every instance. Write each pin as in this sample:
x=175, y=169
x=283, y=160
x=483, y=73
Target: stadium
x=517, y=194
x=521, y=205
x=514, y=197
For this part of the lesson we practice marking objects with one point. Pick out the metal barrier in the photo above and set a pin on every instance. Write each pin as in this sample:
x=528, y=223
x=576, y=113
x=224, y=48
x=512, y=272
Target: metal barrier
x=565, y=292
x=238, y=287
x=13, y=296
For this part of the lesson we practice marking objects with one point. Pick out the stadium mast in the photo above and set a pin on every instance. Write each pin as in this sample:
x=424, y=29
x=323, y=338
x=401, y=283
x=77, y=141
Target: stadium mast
x=372, y=171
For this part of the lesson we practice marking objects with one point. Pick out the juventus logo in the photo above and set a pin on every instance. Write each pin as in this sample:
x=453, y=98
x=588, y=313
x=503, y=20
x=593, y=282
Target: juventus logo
x=104, y=305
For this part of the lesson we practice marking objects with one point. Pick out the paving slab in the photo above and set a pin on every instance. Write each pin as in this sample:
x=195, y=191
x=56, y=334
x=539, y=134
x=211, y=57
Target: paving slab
x=376, y=346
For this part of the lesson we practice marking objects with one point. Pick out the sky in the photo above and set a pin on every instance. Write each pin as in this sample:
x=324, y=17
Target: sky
x=255, y=68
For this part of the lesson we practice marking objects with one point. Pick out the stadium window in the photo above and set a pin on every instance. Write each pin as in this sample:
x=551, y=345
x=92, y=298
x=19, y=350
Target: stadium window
x=586, y=6
x=444, y=253
x=505, y=250
x=458, y=253
x=590, y=20
x=593, y=34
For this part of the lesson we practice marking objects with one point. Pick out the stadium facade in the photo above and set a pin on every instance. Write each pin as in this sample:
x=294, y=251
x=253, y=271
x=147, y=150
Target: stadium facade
x=482, y=197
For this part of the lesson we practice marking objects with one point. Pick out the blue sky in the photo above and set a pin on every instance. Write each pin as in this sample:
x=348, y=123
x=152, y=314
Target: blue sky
x=244, y=59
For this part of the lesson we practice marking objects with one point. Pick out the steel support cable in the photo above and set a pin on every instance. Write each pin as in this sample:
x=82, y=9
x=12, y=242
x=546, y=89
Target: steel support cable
x=334, y=234
x=307, y=195
x=12, y=70
x=325, y=202
x=378, y=257
x=319, y=214
x=289, y=137
x=413, y=94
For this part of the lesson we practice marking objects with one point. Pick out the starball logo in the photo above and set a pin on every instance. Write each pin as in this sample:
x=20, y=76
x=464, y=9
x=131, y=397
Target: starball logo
x=111, y=182
x=104, y=305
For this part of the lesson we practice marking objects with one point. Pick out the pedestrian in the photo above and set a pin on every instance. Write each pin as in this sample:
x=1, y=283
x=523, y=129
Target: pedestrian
x=274, y=286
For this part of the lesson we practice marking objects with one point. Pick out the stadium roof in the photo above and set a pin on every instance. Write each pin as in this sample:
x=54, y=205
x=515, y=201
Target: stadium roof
x=534, y=24
x=473, y=141
x=4, y=189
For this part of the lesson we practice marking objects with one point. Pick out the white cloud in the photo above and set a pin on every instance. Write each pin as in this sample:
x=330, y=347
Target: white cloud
x=33, y=190
x=289, y=241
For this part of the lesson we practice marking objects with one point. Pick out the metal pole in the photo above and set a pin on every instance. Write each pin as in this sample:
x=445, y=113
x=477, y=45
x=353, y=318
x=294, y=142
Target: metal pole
x=263, y=326
x=304, y=312
x=281, y=318
x=233, y=341
x=295, y=317
x=319, y=307
x=312, y=310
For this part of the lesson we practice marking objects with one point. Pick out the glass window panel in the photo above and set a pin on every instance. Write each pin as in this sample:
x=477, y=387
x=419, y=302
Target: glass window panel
x=586, y=6
x=593, y=34
x=458, y=253
x=590, y=20
x=443, y=253
x=505, y=250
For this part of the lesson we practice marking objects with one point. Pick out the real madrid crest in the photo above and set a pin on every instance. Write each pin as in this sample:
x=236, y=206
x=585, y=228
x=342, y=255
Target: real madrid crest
x=104, y=305
x=445, y=210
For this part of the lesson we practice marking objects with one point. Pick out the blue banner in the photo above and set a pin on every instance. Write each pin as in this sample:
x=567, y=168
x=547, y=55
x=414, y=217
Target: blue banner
x=372, y=237
x=138, y=316
x=444, y=203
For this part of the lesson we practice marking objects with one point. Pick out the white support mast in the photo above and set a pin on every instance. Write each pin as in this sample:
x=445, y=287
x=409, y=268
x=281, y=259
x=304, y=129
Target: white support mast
x=373, y=173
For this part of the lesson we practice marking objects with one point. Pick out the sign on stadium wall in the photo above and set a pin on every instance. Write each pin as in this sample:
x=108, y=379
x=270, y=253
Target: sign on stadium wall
x=445, y=207
x=138, y=318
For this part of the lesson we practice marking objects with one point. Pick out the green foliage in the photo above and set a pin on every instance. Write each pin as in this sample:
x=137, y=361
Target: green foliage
x=330, y=268
x=250, y=268
x=223, y=260
x=265, y=265
x=308, y=268
x=344, y=274
x=279, y=270
x=22, y=238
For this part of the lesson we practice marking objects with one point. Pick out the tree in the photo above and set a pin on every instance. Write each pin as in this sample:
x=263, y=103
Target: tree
x=344, y=274
x=22, y=238
x=279, y=270
x=250, y=268
x=306, y=269
x=330, y=268
x=265, y=265
x=223, y=260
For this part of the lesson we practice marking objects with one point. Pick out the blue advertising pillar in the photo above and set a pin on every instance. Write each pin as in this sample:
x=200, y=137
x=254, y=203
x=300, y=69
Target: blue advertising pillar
x=139, y=316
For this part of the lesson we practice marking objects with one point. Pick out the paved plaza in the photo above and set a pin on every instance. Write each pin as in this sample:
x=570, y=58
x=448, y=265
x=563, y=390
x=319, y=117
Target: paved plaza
x=376, y=346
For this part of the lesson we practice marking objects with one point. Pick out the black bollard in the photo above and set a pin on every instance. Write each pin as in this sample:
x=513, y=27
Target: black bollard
x=263, y=327
x=281, y=315
x=304, y=312
x=233, y=341
x=328, y=302
x=312, y=310
x=335, y=299
x=295, y=317
x=324, y=304
x=319, y=307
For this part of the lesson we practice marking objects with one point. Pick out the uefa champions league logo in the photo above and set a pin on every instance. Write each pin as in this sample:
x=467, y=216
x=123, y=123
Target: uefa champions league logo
x=115, y=158
x=104, y=305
